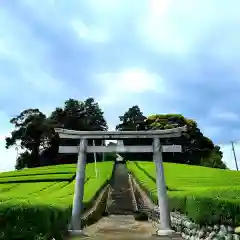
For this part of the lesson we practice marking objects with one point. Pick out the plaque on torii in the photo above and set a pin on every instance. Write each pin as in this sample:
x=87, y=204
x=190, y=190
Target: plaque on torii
x=156, y=148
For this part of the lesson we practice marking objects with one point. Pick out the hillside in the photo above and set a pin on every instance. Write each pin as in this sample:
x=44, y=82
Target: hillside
x=206, y=195
x=47, y=191
x=40, y=199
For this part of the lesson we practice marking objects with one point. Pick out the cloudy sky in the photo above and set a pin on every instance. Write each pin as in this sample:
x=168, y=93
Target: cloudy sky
x=167, y=56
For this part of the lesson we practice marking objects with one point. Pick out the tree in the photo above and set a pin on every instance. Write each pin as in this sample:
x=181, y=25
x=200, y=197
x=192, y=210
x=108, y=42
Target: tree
x=197, y=148
x=214, y=160
x=33, y=131
x=24, y=160
x=36, y=134
x=134, y=120
x=83, y=116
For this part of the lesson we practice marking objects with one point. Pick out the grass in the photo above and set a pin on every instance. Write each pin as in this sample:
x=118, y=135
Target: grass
x=206, y=195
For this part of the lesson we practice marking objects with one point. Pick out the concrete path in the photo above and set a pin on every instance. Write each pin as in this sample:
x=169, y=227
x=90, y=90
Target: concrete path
x=122, y=227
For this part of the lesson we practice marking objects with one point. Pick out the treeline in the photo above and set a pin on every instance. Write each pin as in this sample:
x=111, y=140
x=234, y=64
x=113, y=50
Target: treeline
x=34, y=131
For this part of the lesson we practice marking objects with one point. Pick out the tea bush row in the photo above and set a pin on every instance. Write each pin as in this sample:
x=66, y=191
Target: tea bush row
x=204, y=203
x=59, y=169
x=42, y=210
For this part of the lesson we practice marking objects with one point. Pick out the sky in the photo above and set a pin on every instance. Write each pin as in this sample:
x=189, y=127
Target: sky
x=167, y=56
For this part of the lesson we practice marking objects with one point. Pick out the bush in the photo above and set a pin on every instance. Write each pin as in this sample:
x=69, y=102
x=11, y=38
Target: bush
x=38, y=178
x=27, y=219
x=57, y=169
x=205, y=202
x=42, y=210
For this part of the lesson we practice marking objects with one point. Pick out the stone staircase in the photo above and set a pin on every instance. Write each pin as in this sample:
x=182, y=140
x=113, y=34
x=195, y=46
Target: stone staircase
x=120, y=223
x=120, y=200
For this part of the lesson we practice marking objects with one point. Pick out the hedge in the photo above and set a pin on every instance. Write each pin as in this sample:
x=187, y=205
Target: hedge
x=57, y=169
x=41, y=211
x=38, y=178
x=204, y=202
x=181, y=176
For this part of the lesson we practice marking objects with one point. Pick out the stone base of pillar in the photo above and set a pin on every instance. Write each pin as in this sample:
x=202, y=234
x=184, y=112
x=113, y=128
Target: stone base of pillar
x=165, y=232
x=74, y=233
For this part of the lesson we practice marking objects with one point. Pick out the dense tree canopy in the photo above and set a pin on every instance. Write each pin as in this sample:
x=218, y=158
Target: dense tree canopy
x=134, y=120
x=83, y=116
x=197, y=148
x=35, y=133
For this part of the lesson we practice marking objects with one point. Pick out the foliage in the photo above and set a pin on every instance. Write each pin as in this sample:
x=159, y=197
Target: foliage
x=24, y=160
x=35, y=132
x=197, y=148
x=43, y=209
x=206, y=195
x=214, y=160
x=134, y=120
x=195, y=145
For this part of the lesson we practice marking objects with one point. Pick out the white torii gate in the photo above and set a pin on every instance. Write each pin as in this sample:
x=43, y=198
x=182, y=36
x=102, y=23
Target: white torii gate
x=156, y=148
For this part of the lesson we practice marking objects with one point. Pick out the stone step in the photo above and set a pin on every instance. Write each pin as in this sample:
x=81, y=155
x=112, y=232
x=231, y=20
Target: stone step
x=120, y=201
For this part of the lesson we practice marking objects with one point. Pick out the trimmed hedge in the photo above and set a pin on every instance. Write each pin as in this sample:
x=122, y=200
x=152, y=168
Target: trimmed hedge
x=31, y=219
x=205, y=202
x=38, y=178
x=57, y=169
x=43, y=210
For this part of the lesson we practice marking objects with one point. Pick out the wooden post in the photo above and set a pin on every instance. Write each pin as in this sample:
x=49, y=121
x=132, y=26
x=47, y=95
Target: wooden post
x=165, y=228
x=76, y=228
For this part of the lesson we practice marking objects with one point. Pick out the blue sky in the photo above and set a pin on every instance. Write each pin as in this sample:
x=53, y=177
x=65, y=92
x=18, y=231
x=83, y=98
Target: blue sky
x=167, y=56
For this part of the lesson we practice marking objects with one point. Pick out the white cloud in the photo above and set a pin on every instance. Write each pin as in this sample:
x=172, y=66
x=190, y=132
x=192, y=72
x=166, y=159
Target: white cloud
x=105, y=6
x=180, y=26
x=39, y=41
x=8, y=158
x=119, y=85
x=27, y=55
x=89, y=33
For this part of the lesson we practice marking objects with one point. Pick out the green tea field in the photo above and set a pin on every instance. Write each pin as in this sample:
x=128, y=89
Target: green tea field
x=206, y=195
x=39, y=200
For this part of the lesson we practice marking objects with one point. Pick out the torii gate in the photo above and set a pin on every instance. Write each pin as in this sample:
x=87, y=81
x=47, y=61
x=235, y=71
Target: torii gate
x=156, y=148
